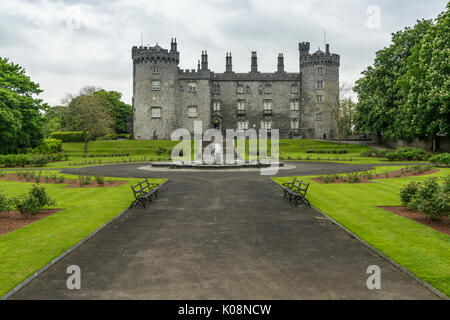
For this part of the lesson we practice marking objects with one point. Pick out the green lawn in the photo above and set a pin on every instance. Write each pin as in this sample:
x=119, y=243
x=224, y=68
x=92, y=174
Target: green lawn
x=418, y=248
x=26, y=250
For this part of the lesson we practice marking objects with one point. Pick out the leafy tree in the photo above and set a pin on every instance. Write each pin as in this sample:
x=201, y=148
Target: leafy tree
x=120, y=111
x=379, y=95
x=55, y=119
x=20, y=117
x=426, y=84
x=89, y=114
x=346, y=118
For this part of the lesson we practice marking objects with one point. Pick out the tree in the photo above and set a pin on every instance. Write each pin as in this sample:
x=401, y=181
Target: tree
x=54, y=119
x=20, y=117
x=120, y=111
x=379, y=95
x=334, y=104
x=426, y=84
x=90, y=115
x=347, y=107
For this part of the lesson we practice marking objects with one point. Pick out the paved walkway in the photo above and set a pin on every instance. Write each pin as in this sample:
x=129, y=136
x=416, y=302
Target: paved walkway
x=219, y=235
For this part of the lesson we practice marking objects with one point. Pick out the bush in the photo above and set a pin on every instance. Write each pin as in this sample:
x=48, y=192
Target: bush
x=74, y=136
x=374, y=153
x=50, y=146
x=5, y=203
x=116, y=136
x=408, y=192
x=84, y=180
x=27, y=205
x=327, y=151
x=41, y=196
x=408, y=153
x=428, y=197
x=442, y=159
x=100, y=179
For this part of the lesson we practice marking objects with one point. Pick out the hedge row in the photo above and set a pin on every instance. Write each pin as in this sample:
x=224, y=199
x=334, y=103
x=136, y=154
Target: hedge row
x=116, y=136
x=408, y=153
x=22, y=160
x=327, y=151
x=74, y=136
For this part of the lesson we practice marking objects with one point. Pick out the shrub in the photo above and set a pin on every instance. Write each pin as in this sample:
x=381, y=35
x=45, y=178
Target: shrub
x=374, y=153
x=27, y=205
x=74, y=136
x=84, y=180
x=41, y=196
x=446, y=185
x=408, y=192
x=327, y=151
x=428, y=197
x=50, y=146
x=408, y=153
x=5, y=203
x=100, y=179
x=116, y=136
x=442, y=159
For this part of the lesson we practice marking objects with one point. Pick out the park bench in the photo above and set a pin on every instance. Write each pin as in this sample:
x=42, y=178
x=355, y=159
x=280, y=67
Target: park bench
x=296, y=191
x=144, y=191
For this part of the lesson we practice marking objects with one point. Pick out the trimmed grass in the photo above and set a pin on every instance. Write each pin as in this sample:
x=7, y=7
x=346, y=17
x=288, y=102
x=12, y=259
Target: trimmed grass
x=419, y=248
x=26, y=250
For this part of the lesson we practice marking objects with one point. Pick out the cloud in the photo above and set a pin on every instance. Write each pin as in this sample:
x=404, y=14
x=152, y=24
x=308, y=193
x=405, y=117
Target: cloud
x=67, y=44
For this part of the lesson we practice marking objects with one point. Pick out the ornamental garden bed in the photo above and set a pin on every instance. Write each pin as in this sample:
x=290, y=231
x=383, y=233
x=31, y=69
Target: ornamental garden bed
x=442, y=225
x=368, y=176
x=12, y=220
x=59, y=179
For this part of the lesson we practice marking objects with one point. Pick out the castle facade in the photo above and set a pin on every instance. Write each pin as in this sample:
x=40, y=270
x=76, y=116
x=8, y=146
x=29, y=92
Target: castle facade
x=300, y=104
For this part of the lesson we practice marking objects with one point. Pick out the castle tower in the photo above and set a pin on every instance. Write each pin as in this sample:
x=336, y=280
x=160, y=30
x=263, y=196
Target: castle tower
x=155, y=91
x=320, y=92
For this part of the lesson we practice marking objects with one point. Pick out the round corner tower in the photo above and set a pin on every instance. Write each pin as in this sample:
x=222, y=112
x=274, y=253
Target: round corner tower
x=155, y=91
x=320, y=92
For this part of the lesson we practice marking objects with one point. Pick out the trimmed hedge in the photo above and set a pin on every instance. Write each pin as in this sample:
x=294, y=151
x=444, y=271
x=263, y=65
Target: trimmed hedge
x=442, y=159
x=116, y=136
x=74, y=136
x=50, y=146
x=327, y=151
x=22, y=160
x=408, y=153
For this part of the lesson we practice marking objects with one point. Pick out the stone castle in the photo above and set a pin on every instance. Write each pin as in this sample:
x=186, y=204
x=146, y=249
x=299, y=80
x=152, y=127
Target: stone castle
x=299, y=104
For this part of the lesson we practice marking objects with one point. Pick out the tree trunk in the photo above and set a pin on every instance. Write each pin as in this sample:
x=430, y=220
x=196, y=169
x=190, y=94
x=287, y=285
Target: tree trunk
x=85, y=143
x=434, y=144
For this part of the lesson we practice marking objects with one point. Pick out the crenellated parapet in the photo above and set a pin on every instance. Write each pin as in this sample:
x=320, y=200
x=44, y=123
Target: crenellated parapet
x=320, y=58
x=192, y=74
x=144, y=54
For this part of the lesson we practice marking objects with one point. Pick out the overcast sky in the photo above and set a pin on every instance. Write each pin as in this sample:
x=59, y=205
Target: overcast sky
x=67, y=44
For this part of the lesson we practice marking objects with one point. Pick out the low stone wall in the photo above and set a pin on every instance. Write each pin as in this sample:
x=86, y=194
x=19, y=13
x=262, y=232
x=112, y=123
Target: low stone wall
x=443, y=143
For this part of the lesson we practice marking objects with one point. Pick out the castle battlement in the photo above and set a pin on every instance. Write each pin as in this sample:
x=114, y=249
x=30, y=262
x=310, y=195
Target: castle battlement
x=144, y=54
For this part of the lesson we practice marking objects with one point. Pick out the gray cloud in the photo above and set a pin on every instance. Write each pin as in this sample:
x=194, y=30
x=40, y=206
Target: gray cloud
x=43, y=35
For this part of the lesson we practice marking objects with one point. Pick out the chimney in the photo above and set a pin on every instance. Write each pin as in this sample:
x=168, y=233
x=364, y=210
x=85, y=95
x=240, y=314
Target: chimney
x=254, y=67
x=205, y=60
x=173, y=45
x=327, y=51
x=228, y=63
x=198, y=65
x=280, y=62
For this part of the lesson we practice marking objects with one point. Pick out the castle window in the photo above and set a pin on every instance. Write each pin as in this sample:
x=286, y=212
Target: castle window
x=192, y=112
x=320, y=70
x=192, y=87
x=319, y=84
x=241, y=105
x=260, y=90
x=242, y=125
x=318, y=117
x=248, y=90
x=216, y=88
x=267, y=104
x=294, y=88
x=266, y=125
x=155, y=69
x=216, y=105
x=319, y=99
x=295, y=105
x=156, y=112
x=240, y=88
x=268, y=88
x=156, y=85
x=294, y=124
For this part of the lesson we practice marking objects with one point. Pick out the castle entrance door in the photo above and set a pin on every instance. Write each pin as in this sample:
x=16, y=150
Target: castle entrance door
x=217, y=124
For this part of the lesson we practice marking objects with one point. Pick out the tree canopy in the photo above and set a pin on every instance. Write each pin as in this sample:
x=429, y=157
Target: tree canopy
x=20, y=118
x=405, y=94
